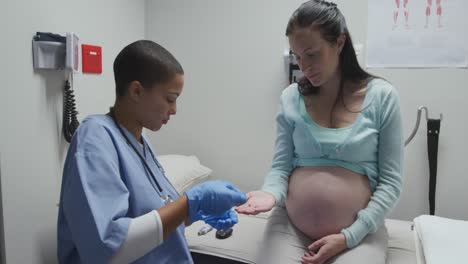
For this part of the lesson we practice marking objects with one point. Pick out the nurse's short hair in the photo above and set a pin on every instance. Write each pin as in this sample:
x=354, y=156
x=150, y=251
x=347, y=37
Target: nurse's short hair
x=146, y=62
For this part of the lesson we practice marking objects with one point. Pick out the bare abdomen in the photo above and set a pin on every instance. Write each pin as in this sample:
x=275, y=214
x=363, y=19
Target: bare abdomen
x=323, y=200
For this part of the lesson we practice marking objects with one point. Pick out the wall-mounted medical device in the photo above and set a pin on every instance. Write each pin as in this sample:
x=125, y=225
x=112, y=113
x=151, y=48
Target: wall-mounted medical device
x=433, y=131
x=61, y=53
x=48, y=51
x=72, y=57
x=56, y=52
x=294, y=72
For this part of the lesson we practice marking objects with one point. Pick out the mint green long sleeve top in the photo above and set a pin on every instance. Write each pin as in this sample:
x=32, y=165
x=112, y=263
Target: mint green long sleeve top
x=372, y=146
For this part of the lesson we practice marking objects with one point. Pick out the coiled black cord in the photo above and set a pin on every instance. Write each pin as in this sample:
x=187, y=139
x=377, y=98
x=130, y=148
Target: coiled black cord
x=70, y=115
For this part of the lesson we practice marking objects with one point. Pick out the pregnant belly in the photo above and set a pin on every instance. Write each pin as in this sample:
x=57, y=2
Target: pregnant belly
x=323, y=200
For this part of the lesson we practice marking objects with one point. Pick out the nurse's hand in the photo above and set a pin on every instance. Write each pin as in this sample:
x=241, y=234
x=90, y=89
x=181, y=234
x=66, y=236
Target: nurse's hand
x=257, y=202
x=224, y=222
x=212, y=198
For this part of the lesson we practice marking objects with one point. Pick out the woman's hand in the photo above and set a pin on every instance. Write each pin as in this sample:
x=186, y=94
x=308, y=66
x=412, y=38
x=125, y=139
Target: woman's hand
x=325, y=248
x=257, y=202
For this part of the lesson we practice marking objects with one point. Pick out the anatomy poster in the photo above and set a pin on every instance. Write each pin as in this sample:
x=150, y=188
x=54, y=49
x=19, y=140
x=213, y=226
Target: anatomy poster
x=417, y=33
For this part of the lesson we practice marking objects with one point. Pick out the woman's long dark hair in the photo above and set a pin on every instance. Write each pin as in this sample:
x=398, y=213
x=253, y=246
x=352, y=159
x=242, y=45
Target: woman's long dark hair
x=327, y=18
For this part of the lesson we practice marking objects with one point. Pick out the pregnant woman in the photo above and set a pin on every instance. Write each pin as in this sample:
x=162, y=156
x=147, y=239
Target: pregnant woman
x=337, y=166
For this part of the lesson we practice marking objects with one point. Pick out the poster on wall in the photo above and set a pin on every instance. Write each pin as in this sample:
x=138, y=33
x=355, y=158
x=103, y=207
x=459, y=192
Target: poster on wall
x=417, y=34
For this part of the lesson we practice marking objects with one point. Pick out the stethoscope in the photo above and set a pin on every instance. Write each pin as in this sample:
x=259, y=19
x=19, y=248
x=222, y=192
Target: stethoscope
x=166, y=198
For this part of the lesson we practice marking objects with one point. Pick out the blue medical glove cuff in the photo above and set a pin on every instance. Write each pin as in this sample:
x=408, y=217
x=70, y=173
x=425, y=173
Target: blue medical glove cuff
x=193, y=205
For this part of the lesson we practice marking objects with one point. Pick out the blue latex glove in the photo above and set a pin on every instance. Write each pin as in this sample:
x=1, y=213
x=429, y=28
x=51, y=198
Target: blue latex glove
x=212, y=198
x=223, y=222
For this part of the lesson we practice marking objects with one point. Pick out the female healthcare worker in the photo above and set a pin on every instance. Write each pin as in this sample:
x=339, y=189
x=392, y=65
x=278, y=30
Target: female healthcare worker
x=116, y=205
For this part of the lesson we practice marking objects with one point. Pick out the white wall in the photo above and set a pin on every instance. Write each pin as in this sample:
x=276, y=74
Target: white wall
x=31, y=145
x=232, y=55
x=2, y=234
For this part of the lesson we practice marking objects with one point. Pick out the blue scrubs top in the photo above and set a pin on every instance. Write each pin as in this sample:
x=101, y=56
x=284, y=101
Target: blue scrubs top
x=105, y=184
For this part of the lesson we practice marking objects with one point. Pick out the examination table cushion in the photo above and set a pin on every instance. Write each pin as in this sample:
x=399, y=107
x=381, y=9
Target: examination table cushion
x=248, y=234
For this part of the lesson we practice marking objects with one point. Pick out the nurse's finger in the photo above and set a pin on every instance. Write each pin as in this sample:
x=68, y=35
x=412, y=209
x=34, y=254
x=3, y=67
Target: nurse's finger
x=241, y=208
x=231, y=187
x=233, y=217
x=237, y=197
